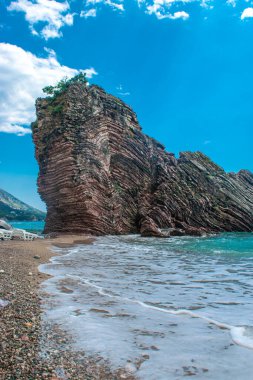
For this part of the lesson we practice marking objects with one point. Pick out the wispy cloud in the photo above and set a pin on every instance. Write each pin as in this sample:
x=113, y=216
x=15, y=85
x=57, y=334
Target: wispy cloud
x=121, y=91
x=89, y=13
x=47, y=18
x=90, y=72
x=170, y=9
x=23, y=75
x=52, y=14
x=231, y=2
x=163, y=9
x=116, y=5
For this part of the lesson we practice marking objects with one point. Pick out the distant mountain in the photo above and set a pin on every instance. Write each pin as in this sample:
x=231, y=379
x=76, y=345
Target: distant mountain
x=13, y=209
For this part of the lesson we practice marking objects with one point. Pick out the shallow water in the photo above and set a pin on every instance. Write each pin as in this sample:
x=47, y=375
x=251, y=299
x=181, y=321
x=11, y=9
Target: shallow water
x=172, y=307
x=36, y=226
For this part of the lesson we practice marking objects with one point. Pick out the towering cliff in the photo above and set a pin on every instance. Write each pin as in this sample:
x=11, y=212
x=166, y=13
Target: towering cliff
x=100, y=174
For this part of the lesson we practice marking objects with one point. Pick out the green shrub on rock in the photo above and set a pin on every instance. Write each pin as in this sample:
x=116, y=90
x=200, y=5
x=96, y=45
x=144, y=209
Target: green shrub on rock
x=63, y=85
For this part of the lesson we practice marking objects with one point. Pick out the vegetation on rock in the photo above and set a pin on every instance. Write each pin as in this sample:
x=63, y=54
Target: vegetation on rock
x=56, y=109
x=62, y=85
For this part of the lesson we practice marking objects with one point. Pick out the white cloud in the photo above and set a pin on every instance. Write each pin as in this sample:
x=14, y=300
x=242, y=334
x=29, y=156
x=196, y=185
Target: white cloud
x=22, y=77
x=232, y=3
x=206, y=4
x=51, y=13
x=121, y=91
x=15, y=129
x=116, y=5
x=90, y=72
x=90, y=13
x=182, y=14
x=47, y=17
x=247, y=13
x=163, y=8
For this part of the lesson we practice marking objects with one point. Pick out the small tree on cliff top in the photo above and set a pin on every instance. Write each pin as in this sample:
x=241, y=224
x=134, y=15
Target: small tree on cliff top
x=62, y=86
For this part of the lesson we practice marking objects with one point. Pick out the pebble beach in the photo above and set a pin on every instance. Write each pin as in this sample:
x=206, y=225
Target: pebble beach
x=23, y=337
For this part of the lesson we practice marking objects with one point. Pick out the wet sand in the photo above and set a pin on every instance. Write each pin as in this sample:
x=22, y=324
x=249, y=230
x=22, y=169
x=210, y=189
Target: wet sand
x=21, y=331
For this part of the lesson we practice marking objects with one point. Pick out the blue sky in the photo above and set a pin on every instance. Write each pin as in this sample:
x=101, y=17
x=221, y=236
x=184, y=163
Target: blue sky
x=184, y=67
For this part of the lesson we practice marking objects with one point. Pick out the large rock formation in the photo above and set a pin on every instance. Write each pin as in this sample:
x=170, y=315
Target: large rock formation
x=100, y=174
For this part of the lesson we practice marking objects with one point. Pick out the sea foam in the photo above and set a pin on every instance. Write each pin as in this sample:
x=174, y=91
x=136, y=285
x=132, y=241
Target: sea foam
x=168, y=307
x=238, y=333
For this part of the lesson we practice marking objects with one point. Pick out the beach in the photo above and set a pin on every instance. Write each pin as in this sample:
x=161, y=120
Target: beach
x=22, y=334
x=166, y=308
x=126, y=307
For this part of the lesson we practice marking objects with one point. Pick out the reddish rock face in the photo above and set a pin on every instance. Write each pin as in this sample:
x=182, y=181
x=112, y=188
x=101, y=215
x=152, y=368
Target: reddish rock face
x=99, y=174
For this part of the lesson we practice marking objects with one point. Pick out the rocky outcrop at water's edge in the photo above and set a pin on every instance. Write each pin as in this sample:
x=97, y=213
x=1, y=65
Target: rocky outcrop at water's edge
x=100, y=174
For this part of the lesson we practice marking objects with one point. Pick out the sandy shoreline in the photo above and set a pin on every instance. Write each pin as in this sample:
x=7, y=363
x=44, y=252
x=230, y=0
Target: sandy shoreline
x=20, y=321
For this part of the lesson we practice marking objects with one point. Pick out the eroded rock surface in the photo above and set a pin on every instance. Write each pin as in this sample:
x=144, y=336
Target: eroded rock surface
x=100, y=174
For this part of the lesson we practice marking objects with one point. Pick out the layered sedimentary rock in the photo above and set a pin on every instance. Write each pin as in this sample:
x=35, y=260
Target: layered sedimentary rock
x=100, y=174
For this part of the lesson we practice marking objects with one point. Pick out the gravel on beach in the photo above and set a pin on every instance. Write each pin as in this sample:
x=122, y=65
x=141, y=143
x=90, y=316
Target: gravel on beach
x=23, y=337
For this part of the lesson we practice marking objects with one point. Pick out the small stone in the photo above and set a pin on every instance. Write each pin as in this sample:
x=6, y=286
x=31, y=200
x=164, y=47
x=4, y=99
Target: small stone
x=1, y=271
x=28, y=324
x=36, y=257
x=154, y=348
x=30, y=274
x=19, y=359
x=130, y=368
x=24, y=338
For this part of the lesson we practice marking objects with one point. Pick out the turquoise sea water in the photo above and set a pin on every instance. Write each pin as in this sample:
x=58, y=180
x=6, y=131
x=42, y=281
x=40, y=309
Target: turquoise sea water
x=231, y=244
x=36, y=227
x=165, y=308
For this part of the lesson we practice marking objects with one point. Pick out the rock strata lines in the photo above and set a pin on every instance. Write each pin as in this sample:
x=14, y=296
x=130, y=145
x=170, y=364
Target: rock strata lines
x=100, y=174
